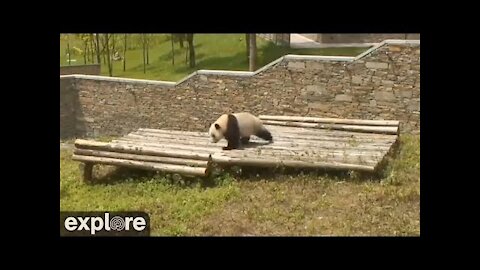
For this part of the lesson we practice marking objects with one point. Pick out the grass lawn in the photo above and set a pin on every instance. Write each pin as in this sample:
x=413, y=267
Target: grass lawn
x=258, y=204
x=213, y=51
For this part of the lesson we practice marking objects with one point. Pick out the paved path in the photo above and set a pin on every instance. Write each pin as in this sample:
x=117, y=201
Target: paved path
x=299, y=41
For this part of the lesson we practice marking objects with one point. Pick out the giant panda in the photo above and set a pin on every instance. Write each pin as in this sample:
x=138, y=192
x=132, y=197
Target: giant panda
x=237, y=128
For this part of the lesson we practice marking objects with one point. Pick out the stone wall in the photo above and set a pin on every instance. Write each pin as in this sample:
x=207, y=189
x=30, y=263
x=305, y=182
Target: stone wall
x=382, y=83
x=80, y=69
x=67, y=108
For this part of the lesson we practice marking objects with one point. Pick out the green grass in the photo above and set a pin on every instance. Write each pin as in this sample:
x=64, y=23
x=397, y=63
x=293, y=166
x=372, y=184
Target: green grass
x=261, y=203
x=213, y=51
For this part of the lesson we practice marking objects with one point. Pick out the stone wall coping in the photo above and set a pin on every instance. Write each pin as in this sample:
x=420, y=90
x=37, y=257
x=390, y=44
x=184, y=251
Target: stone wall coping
x=249, y=73
x=389, y=42
x=118, y=79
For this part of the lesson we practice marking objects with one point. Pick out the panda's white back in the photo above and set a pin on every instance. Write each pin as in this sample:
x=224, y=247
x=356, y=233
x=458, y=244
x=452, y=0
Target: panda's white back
x=248, y=123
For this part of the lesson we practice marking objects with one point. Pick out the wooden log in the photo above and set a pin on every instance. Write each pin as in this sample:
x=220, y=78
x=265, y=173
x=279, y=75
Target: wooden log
x=288, y=163
x=370, y=129
x=87, y=171
x=334, y=156
x=353, y=159
x=290, y=134
x=279, y=136
x=174, y=150
x=279, y=140
x=330, y=120
x=262, y=149
x=325, y=132
x=194, y=171
x=274, y=129
x=165, y=160
x=135, y=149
x=286, y=145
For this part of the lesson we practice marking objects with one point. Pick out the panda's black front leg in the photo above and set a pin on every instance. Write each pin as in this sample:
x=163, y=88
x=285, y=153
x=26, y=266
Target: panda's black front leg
x=232, y=144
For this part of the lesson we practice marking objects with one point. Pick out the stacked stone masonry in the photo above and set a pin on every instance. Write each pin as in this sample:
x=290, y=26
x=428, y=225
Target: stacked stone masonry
x=384, y=84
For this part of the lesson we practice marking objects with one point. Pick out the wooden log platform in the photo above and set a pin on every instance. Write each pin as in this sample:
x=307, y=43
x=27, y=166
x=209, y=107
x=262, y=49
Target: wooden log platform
x=301, y=142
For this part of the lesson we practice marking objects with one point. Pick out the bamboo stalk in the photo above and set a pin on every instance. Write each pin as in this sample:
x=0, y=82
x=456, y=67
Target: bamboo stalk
x=330, y=120
x=166, y=160
x=143, y=165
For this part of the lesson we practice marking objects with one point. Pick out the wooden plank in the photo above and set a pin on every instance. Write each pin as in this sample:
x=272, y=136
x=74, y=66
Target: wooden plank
x=263, y=149
x=278, y=131
x=297, y=145
x=195, y=171
x=282, y=138
x=288, y=163
x=370, y=129
x=165, y=160
x=324, y=157
x=135, y=149
x=352, y=156
x=325, y=132
x=87, y=171
x=330, y=120
x=279, y=136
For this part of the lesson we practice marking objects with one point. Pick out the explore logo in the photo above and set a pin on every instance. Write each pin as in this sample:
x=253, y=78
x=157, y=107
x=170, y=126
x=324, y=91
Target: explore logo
x=104, y=224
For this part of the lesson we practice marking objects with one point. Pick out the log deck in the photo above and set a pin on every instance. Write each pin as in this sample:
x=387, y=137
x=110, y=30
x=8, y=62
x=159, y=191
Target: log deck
x=301, y=142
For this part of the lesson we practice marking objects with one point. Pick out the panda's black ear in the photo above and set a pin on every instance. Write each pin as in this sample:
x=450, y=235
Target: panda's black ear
x=217, y=126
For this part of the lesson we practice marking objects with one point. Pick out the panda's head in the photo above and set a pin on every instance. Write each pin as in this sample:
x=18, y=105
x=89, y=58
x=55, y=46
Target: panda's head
x=215, y=132
x=217, y=129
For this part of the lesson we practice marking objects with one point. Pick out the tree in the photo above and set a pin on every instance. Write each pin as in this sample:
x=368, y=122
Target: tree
x=181, y=38
x=106, y=46
x=173, y=51
x=144, y=47
x=253, y=52
x=124, y=52
x=148, y=45
x=97, y=47
x=191, y=49
x=247, y=42
x=92, y=47
x=68, y=49
x=85, y=38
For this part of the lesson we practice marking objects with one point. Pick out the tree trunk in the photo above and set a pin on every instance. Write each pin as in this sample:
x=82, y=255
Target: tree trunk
x=191, y=48
x=92, y=46
x=85, y=53
x=173, y=53
x=125, y=53
x=253, y=52
x=144, y=67
x=247, y=41
x=180, y=40
x=113, y=44
x=109, y=64
x=186, y=55
x=68, y=52
x=97, y=37
x=148, y=45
